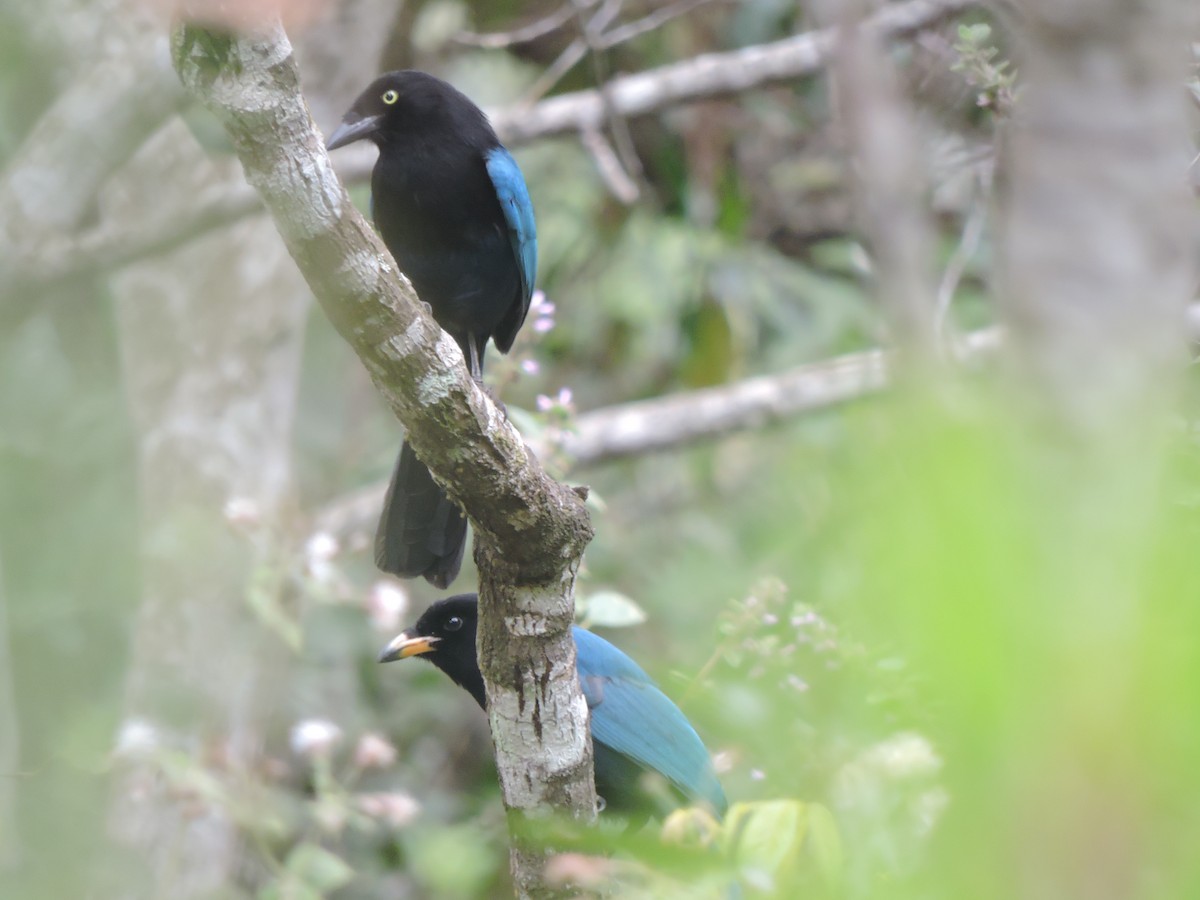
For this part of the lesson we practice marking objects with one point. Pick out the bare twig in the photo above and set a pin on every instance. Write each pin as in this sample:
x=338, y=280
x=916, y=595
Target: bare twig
x=649, y=22
x=553, y=73
x=968, y=243
x=498, y=40
x=625, y=158
x=711, y=75
x=576, y=50
x=609, y=166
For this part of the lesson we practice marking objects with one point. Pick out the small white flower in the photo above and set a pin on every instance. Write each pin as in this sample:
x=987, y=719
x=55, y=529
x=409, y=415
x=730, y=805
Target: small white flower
x=242, y=511
x=530, y=366
x=723, y=761
x=321, y=546
x=796, y=683
x=136, y=739
x=562, y=401
x=319, y=551
x=391, y=808
x=374, y=751
x=905, y=755
x=387, y=603
x=312, y=738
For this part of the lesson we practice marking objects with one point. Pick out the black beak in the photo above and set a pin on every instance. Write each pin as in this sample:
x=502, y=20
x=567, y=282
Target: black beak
x=353, y=128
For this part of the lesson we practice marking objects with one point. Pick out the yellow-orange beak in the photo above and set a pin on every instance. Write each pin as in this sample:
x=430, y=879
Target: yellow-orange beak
x=405, y=645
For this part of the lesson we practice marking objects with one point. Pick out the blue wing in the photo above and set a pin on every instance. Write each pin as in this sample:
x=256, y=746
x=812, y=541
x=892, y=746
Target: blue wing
x=522, y=230
x=633, y=717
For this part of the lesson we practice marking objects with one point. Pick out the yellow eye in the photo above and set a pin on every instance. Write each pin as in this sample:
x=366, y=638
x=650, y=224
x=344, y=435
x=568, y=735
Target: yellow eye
x=390, y=97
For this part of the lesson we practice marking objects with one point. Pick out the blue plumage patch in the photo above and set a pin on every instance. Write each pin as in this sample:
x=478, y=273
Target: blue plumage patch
x=633, y=717
x=518, y=213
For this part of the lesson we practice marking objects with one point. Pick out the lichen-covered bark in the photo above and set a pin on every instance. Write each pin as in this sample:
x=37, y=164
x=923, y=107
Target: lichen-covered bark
x=530, y=530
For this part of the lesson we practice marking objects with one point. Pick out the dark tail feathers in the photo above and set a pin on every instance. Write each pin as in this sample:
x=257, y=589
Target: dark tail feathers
x=422, y=531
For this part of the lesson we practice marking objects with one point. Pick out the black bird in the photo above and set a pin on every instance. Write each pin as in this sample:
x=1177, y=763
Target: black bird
x=636, y=729
x=452, y=207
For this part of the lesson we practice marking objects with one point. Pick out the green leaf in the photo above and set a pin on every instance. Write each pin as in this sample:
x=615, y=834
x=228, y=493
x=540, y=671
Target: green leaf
x=825, y=843
x=316, y=867
x=766, y=837
x=474, y=860
x=610, y=609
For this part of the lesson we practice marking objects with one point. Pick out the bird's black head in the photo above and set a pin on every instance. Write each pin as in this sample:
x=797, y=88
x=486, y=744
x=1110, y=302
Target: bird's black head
x=407, y=103
x=445, y=635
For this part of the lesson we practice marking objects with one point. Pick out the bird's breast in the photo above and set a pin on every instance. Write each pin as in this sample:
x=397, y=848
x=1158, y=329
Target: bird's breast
x=445, y=229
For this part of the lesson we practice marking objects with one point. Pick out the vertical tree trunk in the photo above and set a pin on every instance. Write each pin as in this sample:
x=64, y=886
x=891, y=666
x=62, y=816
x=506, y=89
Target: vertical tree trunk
x=1098, y=257
x=1098, y=230
x=211, y=339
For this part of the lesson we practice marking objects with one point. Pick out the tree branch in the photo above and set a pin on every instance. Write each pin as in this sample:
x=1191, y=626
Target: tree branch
x=667, y=423
x=530, y=531
x=664, y=423
x=704, y=76
x=92, y=128
x=709, y=75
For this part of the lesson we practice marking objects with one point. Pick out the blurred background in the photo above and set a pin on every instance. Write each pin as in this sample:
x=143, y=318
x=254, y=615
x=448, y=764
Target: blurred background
x=952, y=623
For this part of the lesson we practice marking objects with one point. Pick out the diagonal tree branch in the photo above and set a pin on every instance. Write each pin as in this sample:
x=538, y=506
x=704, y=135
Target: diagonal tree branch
x=530, y=531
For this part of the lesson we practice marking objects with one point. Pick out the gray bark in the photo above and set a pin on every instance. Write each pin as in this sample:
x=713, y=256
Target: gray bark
x=1098, y=227
x=211, y=338
x=890, y=182
x=530, y=531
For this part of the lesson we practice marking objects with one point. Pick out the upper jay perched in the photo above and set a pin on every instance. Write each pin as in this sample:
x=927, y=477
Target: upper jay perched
x=635, y=727
x=452, y=207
